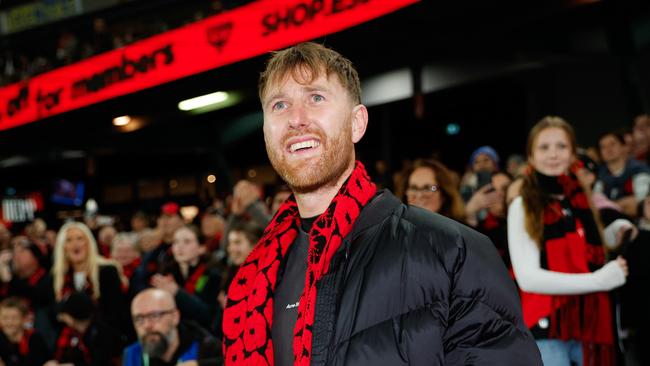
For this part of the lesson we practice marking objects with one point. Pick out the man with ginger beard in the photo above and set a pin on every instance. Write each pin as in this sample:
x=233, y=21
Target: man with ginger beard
x=163, y=339
x=346, y=274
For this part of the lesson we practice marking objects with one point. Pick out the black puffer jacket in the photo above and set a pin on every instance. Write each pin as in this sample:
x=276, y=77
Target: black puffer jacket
x=415, y=288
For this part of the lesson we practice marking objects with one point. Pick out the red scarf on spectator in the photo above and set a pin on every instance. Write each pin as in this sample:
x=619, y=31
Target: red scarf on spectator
x=249, y=312
x=69, y=341
x=572, y=244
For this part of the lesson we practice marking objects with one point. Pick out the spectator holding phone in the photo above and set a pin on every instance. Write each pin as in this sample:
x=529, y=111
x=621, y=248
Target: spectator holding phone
x=483, y=162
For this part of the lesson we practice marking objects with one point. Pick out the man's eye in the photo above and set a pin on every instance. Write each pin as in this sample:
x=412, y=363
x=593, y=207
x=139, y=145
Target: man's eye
x=279, y=106
x=318, y=98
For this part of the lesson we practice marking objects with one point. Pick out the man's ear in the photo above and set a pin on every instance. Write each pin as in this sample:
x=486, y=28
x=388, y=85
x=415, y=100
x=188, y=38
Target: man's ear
x=359, y=122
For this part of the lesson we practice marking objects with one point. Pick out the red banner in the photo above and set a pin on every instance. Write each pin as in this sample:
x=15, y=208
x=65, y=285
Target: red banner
x=242, y=33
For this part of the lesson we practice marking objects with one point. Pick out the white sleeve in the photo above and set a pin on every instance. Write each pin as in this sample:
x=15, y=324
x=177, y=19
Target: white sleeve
x=525, y=258
x=640, y=186
x=612, y=229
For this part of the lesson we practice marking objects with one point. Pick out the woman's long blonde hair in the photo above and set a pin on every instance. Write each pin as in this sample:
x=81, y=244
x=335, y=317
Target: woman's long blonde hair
x=61, y=266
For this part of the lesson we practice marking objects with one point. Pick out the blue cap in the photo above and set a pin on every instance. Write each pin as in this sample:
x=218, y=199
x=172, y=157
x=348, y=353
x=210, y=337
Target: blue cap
x=487, y=150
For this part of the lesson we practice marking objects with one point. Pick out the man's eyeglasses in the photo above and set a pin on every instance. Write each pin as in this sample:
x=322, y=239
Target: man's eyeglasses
x=153, y=316
x=425, y=190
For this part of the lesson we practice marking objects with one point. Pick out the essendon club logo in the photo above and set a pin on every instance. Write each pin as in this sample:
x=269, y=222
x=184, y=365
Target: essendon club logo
x=219, y=34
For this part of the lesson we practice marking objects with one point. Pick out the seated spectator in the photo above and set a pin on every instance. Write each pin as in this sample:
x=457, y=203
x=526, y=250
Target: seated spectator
x=139, y=222
x=624, y=181
x=105, y=238
x=190, y=278
x=242, y=238
x=246, y=205
x=163, y=339
x=124, y=251
x=148, y=240
x=84, y=340
x=79, y=268
x=23, y=271
x=19, y=346
x=157, y=257
x=430, y=186
x=212, y=226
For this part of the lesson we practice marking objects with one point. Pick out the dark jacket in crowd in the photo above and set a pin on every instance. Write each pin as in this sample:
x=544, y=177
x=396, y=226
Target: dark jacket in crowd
x=112, y=305
x=196, y=297
x=409, y=287
x=196, y=344
x=100, y=345
x=31, y=350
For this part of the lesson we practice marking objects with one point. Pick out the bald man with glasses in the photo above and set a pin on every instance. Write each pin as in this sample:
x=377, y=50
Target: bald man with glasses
x=163, y=338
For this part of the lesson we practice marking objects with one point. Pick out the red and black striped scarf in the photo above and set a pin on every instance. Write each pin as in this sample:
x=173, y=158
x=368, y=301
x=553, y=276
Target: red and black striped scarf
x=249, y=312
x=572, y=244
x=71, y=341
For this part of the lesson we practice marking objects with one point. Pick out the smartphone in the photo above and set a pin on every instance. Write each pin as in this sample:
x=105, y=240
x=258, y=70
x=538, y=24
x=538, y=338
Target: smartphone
x=483, y=179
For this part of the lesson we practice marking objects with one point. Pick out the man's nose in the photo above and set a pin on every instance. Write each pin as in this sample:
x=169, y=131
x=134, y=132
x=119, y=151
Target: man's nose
x=298, y=117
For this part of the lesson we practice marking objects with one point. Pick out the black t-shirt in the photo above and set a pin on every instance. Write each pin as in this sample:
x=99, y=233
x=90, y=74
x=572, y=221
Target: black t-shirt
x=287, y=296
x=37, y=352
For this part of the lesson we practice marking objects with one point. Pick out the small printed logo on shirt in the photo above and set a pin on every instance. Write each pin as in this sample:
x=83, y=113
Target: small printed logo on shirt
x=291, y=306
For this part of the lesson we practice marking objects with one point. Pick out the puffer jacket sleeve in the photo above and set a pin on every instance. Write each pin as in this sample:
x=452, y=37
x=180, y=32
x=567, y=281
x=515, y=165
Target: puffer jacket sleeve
x=485, y=324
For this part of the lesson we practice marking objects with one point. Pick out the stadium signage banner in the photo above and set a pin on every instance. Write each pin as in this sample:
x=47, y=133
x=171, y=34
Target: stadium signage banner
x=245, y=32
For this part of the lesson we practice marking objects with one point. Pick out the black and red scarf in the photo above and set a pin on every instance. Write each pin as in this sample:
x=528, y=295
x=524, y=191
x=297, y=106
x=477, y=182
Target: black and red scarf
x=572, y=244
x=70, y=346
x=249, y=312
x=23, y=345
x=196, y=276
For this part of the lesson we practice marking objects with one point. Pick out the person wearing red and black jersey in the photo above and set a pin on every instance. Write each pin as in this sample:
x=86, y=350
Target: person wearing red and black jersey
x=191, y=278
x=558, y=256
x=23, y=271
x=19, y=346
x=84, y=339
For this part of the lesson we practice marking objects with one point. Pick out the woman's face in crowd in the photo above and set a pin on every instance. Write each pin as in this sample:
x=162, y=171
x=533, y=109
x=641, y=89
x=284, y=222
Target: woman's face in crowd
x=419, y=193
x=239, y=247
x=186, y=247
x=76, y=246
x=552, y=152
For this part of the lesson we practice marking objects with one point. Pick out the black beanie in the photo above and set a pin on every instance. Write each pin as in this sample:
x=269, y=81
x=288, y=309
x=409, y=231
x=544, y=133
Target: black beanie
x=78, y=305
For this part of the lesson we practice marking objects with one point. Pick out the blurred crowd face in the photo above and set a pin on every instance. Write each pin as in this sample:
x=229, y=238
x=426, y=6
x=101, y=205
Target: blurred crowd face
x=278, y=200
x=106, y=235
x=139, y=223
x=168, y=224
x=76, y=246
x=24, y=262
x=155, y=319
x=186, y=247
x=611, y=149
x=483, y=163
x=149, y=240
x=11, y=321
x=124, y=252
x=552, y=152
x=419, y=193
x=500, y=183
x=211, y=225
x=239, y=247
x=308, y=131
